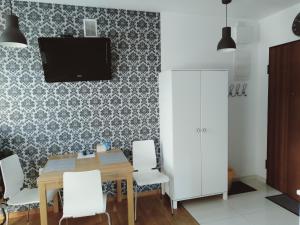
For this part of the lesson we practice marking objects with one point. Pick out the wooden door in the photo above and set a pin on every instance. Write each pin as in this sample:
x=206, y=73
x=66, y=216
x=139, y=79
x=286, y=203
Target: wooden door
x=186, y=124
x=214, y=135
x=283, y=163
x=278, y=117
x=293, y=156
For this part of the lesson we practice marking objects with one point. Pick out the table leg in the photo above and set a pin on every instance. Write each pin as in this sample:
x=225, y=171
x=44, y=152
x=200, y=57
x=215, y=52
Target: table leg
x=55, y=203
x=43, y=204
x=119, y=190
x=130, y=199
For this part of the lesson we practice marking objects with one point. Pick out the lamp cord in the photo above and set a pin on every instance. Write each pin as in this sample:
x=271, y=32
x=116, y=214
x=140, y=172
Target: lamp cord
x=10, y=5
x=226, y=14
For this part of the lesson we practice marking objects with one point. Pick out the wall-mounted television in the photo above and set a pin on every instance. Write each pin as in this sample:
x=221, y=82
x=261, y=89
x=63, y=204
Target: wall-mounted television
x=69, y=59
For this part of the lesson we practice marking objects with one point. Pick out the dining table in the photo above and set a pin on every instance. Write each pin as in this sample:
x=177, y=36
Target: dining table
x=113, y=166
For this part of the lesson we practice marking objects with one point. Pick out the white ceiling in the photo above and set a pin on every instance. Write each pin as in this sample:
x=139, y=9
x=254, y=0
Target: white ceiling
x=252, y=9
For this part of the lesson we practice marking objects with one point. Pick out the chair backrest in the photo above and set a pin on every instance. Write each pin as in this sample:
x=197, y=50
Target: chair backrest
x=83, y=193
x=143, y=154
x=13, y=177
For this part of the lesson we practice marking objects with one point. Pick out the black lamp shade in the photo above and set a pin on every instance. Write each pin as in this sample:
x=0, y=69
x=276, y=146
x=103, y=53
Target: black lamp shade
x=12, y=36
x=226, y=44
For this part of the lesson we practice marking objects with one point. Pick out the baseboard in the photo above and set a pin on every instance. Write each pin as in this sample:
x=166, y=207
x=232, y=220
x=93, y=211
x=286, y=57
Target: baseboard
x=36, y=211
x=140, y=194
x=254, y=177
x=261, y=179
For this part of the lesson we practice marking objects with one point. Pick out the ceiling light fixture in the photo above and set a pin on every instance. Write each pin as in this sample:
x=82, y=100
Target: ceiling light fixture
x=12, y=36
x=226, y=44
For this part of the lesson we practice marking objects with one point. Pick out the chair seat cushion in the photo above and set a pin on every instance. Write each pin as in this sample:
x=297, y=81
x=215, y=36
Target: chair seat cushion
x=29, y=196
x=81, y=211
x=150, y=177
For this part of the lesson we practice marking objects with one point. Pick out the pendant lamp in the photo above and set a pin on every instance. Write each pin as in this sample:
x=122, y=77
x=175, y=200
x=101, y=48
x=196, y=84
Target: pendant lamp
x=12, y=36
x=226, y=44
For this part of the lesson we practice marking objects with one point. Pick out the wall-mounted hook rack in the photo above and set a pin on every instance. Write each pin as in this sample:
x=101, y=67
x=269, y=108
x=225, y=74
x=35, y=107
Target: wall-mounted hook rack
x=238, y=89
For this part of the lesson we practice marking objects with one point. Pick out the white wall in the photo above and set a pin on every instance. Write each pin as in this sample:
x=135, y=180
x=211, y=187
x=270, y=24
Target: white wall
x=190, y=41
x=274, y=30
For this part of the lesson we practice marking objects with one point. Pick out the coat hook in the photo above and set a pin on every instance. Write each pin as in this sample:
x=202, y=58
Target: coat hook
x=231, y=88
x=237, y=90
x=244, y=89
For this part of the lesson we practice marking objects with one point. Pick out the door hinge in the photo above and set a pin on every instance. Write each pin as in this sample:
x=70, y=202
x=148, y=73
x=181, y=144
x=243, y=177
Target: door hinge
x=266, y=164
x=268, y=69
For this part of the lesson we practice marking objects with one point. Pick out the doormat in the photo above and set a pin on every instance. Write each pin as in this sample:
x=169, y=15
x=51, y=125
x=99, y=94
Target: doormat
x=238, y=187
x=286, y=202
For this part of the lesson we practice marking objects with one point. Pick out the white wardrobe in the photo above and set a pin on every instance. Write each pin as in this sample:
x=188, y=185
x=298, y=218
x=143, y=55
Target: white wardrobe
x=194, y=132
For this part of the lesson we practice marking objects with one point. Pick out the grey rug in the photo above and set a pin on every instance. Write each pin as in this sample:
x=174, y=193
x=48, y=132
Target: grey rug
x=286, y=202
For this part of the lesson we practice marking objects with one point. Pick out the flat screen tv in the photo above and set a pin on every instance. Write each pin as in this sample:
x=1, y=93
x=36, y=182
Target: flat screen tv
x=75, y=59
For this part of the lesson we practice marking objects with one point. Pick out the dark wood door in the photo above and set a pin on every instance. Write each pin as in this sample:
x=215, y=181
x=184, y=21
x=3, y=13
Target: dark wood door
x=278, y=118
x=293, y=156
x=283, y=162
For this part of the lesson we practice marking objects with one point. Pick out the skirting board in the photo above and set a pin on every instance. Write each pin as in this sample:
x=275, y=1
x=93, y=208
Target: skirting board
x=254, y=177
x=50, y=208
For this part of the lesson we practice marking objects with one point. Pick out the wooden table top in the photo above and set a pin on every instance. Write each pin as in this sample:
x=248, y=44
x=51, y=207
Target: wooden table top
x=116, y=169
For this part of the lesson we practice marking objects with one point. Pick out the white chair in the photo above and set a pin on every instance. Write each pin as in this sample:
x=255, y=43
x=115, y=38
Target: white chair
x=145, y=166
x=83, y=195
x=13, y=179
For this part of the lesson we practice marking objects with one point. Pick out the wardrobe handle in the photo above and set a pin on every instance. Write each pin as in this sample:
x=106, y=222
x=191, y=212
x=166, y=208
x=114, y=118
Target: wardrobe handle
x=204, y=130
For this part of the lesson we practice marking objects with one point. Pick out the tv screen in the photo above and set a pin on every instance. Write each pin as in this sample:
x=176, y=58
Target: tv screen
x=75, y=59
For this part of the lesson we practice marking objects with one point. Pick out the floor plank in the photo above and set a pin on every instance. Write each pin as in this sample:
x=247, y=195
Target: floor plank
x=152, y=210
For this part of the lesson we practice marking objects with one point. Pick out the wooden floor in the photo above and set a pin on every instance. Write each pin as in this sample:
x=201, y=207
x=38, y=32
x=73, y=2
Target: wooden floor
x=152, y=210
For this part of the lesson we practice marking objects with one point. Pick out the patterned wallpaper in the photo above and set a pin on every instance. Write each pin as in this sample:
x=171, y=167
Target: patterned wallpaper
x=38, y=119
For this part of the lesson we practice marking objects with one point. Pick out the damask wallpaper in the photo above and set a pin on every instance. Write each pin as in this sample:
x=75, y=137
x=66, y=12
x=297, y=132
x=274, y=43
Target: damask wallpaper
x=38, y=119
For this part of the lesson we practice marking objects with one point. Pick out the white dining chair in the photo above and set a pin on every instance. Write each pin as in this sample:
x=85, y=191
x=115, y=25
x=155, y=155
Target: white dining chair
x=14, y=193
x=83, y=195
x=145, y=167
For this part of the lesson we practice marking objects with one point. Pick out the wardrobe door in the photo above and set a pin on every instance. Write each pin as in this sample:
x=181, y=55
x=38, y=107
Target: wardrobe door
x=214, y=135
x=293, y=156
x=186, y=124
x=278, y=117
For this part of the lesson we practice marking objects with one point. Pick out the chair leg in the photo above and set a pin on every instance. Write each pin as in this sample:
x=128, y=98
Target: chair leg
x=135, y=202
x=60, y=199
x=162, y=192
x=3, y=213
x=28, y=211
x=61, y=219
x=7, y=216
x=108, y=218
x=163, y=189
